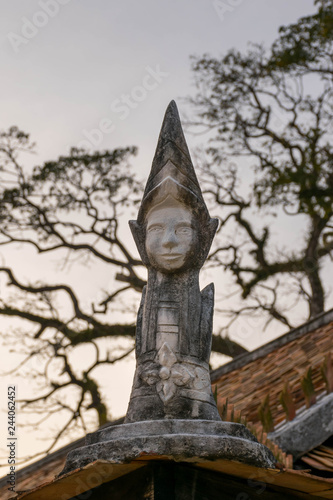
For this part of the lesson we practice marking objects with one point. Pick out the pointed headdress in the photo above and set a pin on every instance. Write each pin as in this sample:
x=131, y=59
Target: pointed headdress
x=172, y=175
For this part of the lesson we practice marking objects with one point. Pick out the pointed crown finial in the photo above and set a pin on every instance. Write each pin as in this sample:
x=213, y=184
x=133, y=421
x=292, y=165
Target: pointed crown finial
x=172, y=161
x=172, y=175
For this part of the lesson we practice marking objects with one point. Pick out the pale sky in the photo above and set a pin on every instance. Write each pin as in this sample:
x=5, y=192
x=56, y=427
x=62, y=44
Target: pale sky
x=104, y=71
x=66, y=77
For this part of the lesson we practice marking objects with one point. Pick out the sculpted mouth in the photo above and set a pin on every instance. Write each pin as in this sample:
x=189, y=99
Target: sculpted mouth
x=171, y=255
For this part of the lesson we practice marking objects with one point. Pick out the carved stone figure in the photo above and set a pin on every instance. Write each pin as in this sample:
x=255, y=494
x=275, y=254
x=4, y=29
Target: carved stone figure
x=173, y=234
x=172, y=412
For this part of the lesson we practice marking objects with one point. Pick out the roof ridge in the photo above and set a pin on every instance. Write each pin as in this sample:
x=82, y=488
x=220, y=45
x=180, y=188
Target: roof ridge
x=321, y=320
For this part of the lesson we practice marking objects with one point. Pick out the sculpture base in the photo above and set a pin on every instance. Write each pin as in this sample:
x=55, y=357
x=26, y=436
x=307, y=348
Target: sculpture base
x=185, y=406
x=178, y=440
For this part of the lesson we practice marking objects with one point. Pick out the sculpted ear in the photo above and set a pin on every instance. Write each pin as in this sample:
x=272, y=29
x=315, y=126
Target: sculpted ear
x=208, y=233
x=139, y=235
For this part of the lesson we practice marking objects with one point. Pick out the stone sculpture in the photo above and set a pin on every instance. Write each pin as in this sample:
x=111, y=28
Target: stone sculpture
x=173, y=234
x=172, y=413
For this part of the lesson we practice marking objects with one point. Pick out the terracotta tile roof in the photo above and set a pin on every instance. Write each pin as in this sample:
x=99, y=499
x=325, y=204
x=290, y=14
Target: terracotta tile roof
x=320, y=458
x=247, y=380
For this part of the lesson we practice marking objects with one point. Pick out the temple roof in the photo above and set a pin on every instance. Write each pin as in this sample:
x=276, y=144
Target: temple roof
x=246, y=381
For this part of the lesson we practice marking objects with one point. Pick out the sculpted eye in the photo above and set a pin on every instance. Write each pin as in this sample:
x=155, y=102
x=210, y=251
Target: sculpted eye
x=184, y=230
x=155, y=229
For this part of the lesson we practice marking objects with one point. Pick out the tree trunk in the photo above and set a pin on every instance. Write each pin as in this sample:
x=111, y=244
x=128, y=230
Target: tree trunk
x=317, y=300
x=312, y=267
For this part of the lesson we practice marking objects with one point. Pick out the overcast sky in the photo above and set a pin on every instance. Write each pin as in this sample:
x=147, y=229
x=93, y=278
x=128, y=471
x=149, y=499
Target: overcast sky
x=104, y=71
x=61, y=78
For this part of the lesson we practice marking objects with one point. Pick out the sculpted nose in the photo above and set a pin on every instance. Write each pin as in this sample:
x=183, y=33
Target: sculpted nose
x=169, y=239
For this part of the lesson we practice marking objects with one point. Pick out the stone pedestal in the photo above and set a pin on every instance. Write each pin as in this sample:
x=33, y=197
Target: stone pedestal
x=172, y=413
x=178, y=440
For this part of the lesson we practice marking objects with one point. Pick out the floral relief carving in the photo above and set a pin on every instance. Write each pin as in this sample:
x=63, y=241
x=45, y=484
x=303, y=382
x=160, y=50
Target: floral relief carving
x=202, y=379
x=166, y=356
x=169, y=374
x=150, y=374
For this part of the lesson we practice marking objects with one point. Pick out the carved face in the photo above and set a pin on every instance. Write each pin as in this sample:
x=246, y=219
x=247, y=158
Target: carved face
x=170, y=237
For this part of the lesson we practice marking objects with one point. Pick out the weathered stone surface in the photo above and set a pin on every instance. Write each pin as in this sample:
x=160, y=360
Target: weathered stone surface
x=172, y=412
x=173, y=234
x=307, y=430
x=179, y=440
x=158, y=427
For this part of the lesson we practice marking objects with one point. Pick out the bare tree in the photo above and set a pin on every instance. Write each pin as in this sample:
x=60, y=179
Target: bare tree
x=73, y=206
x=270, y=111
